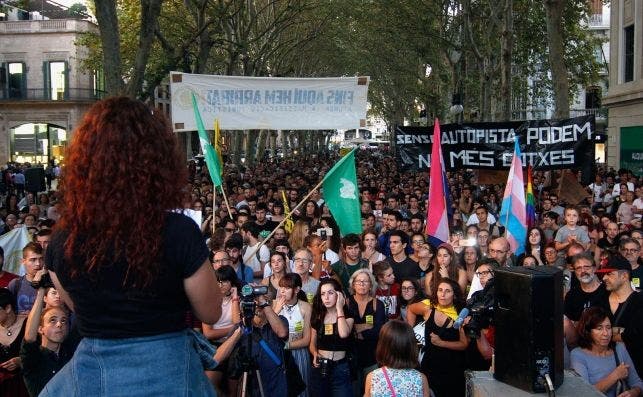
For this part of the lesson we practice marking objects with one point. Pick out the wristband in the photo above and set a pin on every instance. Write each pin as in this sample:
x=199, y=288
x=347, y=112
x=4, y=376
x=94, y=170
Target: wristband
x=344, y=317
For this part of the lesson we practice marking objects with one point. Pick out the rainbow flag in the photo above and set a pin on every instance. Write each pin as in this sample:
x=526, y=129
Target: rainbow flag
x=531, y=200
x=513, y=212
x=437, y=223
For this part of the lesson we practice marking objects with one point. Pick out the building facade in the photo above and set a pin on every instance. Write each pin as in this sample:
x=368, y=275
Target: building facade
x=625, y=95
x=43, y=89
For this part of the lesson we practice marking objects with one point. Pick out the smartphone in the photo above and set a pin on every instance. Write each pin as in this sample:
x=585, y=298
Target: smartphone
x=322, y=233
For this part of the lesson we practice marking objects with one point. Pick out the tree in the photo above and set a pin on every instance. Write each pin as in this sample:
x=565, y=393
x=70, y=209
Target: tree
x=559, y=72
x=107, y=17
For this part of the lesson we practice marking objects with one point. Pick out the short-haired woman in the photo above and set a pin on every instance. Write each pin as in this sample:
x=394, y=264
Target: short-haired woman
x=600, y=361
x=396, y=354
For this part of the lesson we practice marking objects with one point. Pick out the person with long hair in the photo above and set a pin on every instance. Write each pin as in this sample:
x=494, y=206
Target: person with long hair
x=12, y=332
x=371, y=250
x=397, y=356
x=279, y=266
x=602, y=362
x=444, y=359
x=125, y=262
x=535, y=244
x=369, y=314
x=291, y=303
x=330, y=339
x=445, y=267
x=312, y=213
x=470, y=257
x=298, y=234
x=218, y=332
x=410, y=293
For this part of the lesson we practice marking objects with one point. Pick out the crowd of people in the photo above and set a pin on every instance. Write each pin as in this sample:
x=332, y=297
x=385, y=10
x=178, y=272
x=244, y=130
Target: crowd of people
x=372, y=314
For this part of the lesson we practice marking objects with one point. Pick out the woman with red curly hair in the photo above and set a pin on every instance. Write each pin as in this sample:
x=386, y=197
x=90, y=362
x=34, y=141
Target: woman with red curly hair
x=127, y=264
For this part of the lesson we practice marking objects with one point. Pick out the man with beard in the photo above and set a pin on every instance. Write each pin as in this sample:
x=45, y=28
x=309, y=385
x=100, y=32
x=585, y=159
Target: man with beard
x=590, y=292
x=626, y=306
x=630, y=249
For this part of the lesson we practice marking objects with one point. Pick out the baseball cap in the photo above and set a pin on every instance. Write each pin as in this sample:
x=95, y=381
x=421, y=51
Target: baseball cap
x=614, y=263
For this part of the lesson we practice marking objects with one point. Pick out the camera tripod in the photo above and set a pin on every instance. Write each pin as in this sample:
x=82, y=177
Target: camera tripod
x=248, y=365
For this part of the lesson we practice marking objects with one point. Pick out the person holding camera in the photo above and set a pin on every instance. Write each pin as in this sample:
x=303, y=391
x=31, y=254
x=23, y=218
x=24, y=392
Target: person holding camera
x=262, y=324
x=479, y=355
x=41, y=361
x=330, y=339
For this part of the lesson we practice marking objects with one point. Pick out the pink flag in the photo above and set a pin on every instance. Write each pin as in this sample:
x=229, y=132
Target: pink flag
x=437, y=223
x=513, y=213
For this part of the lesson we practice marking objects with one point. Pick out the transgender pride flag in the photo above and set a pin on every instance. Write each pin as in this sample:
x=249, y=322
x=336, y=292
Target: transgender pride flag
x=437, y=223
x=513, y=211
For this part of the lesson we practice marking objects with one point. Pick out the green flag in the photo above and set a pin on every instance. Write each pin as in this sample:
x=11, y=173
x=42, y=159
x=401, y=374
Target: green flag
x=342, y=196
x=211, y=157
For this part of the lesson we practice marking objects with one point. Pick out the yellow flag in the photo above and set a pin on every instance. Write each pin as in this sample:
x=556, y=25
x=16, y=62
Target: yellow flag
x=217, y=141
x=289, y=225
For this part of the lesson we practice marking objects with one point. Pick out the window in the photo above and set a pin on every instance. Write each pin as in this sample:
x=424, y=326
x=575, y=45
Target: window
x=593, y=97
x=56, y=83
x=628, y=54
x=13, y=80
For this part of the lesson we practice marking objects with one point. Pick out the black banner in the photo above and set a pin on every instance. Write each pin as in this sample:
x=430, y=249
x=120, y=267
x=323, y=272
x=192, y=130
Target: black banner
x=545, y=144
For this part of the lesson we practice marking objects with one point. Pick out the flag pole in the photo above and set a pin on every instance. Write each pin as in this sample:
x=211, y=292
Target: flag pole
x=225, y=200
x=287, y=217
x=214, y=210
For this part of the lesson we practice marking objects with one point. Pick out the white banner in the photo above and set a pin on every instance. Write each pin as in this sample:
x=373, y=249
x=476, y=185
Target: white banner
x=12, y=243
x=275, y=103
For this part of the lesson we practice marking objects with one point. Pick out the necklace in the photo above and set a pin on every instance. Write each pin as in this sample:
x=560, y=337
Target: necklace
x=8, y=329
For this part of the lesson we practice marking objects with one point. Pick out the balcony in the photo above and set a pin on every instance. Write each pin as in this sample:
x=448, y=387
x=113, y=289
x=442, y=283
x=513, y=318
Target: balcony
x=40, y=95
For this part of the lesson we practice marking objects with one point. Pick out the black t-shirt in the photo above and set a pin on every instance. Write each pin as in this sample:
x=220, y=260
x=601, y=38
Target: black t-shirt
x=604, y=244
x=407, y=268
x=632, y=322
x=577, y=301
x=106, y=309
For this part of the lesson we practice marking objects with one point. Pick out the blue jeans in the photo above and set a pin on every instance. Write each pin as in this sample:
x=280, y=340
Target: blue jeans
x=159, y=365
x=336, y=384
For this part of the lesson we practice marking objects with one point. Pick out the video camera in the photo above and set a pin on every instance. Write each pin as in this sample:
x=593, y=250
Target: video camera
x=248, y=304
x=480, y=307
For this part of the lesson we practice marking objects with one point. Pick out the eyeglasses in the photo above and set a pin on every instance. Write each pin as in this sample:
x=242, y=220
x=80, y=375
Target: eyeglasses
x=361, y=282
x=418, y=241
x=302, y=260
x=493, y=251
x=408, y=289
x=630, y=250
x=581, y=268
x=484, y=273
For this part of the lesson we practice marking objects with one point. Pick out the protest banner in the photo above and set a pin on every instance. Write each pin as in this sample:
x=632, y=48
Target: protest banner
x=544, y=144
x=241, y=102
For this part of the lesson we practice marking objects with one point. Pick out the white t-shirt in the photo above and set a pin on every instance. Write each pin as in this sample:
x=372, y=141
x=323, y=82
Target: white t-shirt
x=250, y=257
x=617, y=188
x=473, y=219
x=638, y=204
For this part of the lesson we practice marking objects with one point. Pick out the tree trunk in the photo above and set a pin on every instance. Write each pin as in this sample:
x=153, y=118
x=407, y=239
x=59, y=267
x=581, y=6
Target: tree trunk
x=110, y=41
x=506, y=62
x=559, y=73
x=150, y=10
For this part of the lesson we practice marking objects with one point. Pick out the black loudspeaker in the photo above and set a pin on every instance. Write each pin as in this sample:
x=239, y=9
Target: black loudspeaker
x=35, y=179
x=528, y=316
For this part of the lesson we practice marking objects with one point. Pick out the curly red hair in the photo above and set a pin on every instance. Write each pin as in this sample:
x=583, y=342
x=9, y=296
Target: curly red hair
x=123, y=173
